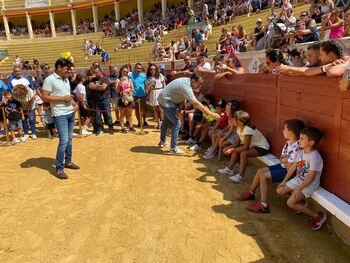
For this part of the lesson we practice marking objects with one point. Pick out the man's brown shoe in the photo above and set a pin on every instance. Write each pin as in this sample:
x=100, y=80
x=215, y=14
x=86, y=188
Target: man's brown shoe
x=71, y=166
x=61, y=175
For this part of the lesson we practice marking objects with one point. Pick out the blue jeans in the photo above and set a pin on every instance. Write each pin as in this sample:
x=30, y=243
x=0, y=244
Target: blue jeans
x=170, y=118
x=31, y=119
x=103, y=105
x=65, y=126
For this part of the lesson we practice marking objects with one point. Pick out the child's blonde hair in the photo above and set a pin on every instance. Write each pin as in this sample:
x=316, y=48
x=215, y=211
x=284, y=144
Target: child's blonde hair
x=20, y=91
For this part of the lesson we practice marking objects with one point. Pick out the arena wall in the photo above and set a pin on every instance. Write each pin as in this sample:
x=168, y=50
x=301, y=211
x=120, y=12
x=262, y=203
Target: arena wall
x=271, y=100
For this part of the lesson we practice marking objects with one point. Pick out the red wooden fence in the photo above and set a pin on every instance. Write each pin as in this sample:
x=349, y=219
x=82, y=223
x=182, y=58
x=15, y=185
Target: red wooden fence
x=270, y=100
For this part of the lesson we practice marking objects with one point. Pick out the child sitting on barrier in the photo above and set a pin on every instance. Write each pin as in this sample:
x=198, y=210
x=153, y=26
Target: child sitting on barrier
x=275, y=173
x=217, y=129
x=49, y=123
x=226, y=136
x=308, y=167
x=15, y=116
x=252, y=144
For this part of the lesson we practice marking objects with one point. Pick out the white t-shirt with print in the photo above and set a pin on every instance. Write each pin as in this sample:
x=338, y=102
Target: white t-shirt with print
x=80, y=89
x=290, y=151
x=307, y=162
x=257, y=139
x=206, y=65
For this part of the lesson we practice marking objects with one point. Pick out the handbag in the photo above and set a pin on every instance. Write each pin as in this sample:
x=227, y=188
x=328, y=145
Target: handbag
x=127, y=98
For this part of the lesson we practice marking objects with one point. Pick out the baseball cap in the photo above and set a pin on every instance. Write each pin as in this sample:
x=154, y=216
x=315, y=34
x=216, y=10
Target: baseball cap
x=162, y=66
x=259, y=20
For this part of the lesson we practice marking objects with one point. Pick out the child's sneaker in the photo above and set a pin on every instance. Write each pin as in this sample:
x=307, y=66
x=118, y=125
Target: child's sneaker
x=225, y=170
x=209, y=155
x=176, y=151
x=195, y=148
x=318, y=221
x=34, y=137
x=237, y=178
x=258, y=208
x=15, y=140
x=190, y=141
x=208, y=150
x=86, y=132
x=246, y=196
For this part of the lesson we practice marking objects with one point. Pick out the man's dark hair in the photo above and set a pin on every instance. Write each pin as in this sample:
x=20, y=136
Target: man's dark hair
x=334, y=46
x=195, y=76
x=275, y=55
x=138, y=64
x=62, y=62
x=295, y=126
x=313, y=134
x=315, y=46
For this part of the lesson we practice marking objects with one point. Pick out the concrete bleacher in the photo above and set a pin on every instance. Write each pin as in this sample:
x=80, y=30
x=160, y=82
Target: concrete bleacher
x=48, y=49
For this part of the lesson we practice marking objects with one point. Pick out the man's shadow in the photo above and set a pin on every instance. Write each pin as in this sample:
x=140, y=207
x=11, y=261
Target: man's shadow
x=43, y=163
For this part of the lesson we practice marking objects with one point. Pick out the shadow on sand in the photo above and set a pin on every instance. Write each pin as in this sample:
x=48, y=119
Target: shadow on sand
x=43, y=163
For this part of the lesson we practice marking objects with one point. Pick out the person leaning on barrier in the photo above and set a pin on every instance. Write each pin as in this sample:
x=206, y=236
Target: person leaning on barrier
x=332, y=58
x=233, y=67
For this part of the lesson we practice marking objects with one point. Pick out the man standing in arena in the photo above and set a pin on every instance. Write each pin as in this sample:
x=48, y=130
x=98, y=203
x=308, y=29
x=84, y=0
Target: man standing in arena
x=56, y=90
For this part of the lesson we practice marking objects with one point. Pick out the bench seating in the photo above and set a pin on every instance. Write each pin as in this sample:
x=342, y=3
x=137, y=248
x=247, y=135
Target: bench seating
x=327, y=200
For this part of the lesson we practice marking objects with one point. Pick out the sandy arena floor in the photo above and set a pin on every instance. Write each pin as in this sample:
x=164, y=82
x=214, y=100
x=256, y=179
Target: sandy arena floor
x=131, y=202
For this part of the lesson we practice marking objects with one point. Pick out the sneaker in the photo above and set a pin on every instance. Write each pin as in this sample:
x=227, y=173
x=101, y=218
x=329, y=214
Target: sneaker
x=71, y=166
x=116, y=123
x=111, y=132
x=75, y=134
x=123, y=130
x=209, y=156
x=176, y=151
x=23, y=139
x=196, y=148
x=162, y=144
x=246, y=196
x=34, y=137
x=16, y=140
x=318, y=221
x=258, y=208
x=237, y=178
x=225, y=170
x=145, y=124
x=190, y=141
x=98, y=133
x=86, y=132
x=132, y=129
x=61, y=175
x=208, y=150
x=25, y=136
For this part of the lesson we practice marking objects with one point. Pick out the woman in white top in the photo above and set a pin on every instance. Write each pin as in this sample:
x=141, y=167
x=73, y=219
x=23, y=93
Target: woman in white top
x=251, y=144
x=80, y=94
x=154, y=85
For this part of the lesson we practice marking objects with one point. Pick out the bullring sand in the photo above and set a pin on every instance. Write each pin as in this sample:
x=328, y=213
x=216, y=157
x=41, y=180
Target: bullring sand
x=131, y=202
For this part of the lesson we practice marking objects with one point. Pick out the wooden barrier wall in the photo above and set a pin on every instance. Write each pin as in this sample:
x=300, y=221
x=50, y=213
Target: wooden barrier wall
x=270, y=100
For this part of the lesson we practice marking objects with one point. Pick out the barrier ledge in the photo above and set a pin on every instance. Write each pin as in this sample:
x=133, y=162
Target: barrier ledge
x=329, y=201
